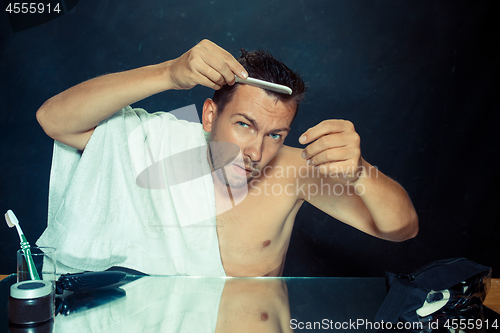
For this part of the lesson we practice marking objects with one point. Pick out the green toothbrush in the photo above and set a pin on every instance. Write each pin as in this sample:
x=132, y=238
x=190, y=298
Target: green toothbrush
x=12, y=221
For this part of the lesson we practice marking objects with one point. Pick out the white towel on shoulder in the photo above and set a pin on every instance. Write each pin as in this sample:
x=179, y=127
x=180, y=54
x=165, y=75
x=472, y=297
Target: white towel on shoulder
x=112, y=205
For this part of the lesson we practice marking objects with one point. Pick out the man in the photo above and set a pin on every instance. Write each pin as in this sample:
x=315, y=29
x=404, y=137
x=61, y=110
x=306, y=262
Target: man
x=270, y=181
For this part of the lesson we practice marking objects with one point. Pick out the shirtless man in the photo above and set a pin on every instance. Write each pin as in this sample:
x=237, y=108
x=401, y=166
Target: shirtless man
x=254, y=234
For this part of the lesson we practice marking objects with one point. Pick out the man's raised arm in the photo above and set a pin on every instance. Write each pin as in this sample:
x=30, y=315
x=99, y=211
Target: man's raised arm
x=71, y=116
x=361, y=196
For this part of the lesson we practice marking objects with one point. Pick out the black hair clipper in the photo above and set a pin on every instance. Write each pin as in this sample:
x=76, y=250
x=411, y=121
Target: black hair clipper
x=88, y=281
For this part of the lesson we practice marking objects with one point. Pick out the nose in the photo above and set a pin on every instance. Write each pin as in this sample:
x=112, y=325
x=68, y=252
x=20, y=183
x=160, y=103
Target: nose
x=253, y=149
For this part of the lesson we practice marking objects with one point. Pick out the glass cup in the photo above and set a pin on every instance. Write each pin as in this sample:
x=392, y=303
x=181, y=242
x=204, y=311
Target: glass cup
x=44, y=259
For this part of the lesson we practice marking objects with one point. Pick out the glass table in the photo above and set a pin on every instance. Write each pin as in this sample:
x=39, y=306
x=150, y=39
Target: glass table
x=196, y=304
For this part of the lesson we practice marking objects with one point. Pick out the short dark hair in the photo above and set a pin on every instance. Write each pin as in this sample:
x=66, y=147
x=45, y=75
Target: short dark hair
x=262, y=65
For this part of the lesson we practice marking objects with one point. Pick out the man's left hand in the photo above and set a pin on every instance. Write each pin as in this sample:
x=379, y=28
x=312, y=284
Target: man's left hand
x=334, y=149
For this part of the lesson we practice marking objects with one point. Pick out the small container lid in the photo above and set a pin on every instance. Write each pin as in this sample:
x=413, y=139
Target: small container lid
x=31, y=289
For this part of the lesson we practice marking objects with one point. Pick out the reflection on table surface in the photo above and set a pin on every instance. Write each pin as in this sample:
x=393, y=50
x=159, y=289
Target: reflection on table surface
x=254, y=305
x=196, y=304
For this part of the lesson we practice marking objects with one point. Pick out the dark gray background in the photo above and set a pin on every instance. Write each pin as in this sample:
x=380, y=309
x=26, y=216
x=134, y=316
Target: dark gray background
x=419, y=79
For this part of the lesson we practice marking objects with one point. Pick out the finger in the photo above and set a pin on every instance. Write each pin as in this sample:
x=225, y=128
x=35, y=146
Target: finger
x=205, y=81
x=208, y=77
x=205, y=75
x=221, y=68
x=332, y=155
x=329, y=141
x=325, y=127
x=234, y=66
x=209, y=73
x=213, y=67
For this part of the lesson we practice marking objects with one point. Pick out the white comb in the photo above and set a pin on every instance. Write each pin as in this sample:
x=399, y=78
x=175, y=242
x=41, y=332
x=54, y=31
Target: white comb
x=265, y=85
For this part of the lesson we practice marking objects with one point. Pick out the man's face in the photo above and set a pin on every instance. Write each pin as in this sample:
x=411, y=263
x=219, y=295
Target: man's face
x=256, y=122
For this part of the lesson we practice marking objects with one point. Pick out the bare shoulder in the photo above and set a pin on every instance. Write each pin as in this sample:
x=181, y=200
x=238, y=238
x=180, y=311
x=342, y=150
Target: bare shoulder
x=288, y=156
x=288, y=167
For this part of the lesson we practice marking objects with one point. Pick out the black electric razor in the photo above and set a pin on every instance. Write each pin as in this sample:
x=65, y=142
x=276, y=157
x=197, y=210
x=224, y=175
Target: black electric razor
x=88, y=281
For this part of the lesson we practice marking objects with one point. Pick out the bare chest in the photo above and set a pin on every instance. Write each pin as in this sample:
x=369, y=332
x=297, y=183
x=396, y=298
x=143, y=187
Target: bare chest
x=254, y=234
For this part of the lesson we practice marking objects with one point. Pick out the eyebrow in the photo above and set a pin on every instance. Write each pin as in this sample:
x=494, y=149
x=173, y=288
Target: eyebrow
x=254, y=124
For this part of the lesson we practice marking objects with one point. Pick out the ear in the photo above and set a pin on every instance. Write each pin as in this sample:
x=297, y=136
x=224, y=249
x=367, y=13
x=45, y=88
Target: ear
x=209, y=114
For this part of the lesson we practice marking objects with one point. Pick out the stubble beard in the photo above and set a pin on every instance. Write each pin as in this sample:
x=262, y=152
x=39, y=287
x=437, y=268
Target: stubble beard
x=223, y=164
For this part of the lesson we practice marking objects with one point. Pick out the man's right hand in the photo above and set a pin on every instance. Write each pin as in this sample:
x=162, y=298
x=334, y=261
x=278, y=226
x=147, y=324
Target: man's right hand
x=206, y=64
x=71, y=116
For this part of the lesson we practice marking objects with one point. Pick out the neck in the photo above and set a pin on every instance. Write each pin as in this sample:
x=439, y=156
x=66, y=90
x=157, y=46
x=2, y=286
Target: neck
x=226, y=197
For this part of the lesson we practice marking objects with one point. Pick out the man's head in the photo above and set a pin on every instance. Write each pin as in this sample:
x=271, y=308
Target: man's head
x=255, y=119
x=263, y=66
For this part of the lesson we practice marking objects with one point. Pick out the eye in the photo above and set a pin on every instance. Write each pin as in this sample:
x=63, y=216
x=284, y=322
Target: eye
x=275, y=136
x=242, y=124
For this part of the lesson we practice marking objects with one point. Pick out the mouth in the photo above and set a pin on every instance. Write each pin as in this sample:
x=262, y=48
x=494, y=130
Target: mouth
x=242, y=170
